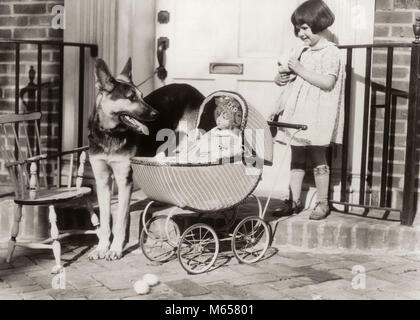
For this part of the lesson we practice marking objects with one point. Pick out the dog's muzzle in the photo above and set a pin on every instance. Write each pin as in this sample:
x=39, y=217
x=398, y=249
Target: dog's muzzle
x=133, y=123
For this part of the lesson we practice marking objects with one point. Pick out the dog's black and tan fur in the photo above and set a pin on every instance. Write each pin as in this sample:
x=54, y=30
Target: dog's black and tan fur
x=112, y=144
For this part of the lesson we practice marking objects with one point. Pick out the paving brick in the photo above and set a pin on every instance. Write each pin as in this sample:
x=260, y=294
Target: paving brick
x=336, y=290
x=343, y=264
x=372, y=265
x=187, y=287
x=343, y=273
x=301, y=293
x=296, y=260
x=113, y=295
x=44, y=281
x=387, y=276
x=263, y=291
x=3, y=284
x=27, y=269
x=412, y=257
x=319, y=275
x=18, y=280
x=80, y=281
x=220, y=274
x=116, y=280
x=88, y=267
x=22, y=289
x=209, y=296
x=245, y=269
x=21, y=261
x=113, y=265
x=228, y=292
x=33, y=295
x=283, y=271
x=291, y=283
x=159, y=292
x=361, y=258
x=256, y=278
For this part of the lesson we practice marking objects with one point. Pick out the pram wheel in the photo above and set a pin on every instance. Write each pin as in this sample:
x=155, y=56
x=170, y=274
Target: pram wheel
x=159, y=238
x=198, y=248
x=250, y=239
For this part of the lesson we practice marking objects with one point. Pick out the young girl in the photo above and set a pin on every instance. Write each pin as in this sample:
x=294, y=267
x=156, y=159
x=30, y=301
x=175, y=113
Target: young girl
x=314, y=98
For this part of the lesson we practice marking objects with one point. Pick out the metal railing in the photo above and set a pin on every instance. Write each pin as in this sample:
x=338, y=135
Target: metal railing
x=408, y=209
x=34, y=90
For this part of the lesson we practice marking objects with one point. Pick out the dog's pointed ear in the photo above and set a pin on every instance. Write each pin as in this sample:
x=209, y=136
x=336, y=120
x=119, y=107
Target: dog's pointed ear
x=126, y=72
x=103, y=77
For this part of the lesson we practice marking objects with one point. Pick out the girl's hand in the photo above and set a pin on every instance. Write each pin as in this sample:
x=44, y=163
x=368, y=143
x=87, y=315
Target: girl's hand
x=282, y=79
x=295, y=65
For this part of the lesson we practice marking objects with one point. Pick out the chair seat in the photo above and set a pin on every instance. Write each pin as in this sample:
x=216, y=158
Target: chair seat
x=55, y=195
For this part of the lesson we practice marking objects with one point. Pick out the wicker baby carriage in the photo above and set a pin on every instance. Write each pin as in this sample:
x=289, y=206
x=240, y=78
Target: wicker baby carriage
x=207, y=188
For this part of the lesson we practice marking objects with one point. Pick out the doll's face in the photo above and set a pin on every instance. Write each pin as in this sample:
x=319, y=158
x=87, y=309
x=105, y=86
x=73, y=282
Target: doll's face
x=224, y=122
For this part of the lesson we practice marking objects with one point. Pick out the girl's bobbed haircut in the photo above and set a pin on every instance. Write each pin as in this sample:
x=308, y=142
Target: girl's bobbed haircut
x=315, y=13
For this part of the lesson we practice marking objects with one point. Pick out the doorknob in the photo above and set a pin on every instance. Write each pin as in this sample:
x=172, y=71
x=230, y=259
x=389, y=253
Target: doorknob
x=162, y=46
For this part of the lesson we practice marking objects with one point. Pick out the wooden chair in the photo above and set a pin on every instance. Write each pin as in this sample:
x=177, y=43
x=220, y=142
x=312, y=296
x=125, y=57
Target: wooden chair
x=27, y=165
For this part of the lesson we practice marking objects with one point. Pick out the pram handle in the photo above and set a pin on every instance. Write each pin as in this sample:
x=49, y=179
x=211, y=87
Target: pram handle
x=287, y=125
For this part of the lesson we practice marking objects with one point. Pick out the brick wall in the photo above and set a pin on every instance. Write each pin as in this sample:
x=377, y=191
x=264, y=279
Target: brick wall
x=393, y=23
x=29, y=19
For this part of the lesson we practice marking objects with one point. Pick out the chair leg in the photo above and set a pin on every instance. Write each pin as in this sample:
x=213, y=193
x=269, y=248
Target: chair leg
x=56, y=247
x=17, y=217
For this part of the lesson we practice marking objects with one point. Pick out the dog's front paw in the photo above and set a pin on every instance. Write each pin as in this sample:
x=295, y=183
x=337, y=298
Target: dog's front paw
x=98, y=254
x=113, y=255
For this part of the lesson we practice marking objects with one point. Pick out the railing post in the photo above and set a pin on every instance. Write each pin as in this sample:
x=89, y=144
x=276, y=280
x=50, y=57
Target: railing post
x=409, y=200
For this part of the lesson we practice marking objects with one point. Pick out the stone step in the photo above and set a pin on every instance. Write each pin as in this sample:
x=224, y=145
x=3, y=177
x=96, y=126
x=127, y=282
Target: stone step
x=339, y=232
x=345, y=232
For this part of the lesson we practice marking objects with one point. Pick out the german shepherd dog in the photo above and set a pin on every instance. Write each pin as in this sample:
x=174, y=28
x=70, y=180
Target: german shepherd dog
x=112, y=143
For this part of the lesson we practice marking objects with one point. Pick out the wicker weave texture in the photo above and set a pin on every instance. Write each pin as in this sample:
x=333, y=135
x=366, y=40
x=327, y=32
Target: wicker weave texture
x=200, y=188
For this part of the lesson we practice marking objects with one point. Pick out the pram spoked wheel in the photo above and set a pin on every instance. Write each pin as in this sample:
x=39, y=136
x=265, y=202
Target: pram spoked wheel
x=198, y=248
x=159, y=238
x=251, y=239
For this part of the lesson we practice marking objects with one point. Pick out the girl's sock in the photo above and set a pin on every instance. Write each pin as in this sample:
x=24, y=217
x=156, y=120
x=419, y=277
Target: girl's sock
x=296, y=180
x=322, y=180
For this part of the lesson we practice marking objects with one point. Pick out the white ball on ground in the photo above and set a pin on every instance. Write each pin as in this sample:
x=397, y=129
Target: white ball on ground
x=151, y=279
x=141, y=287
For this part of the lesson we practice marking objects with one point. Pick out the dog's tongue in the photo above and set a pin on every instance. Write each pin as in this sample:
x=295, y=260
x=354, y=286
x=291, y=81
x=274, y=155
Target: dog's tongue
x=137, y=125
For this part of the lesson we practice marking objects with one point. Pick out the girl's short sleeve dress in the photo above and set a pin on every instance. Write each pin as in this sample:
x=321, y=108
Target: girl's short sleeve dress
x=321, y=110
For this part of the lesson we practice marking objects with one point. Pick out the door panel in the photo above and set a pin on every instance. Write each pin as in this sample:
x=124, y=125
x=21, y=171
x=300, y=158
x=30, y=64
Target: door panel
x=265, y=29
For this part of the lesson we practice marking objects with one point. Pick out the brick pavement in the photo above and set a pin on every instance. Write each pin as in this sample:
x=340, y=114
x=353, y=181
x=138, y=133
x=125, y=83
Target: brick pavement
x=282, y=275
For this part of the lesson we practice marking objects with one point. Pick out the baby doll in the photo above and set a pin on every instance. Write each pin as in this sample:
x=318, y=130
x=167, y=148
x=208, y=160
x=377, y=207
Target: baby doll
x=224, y=141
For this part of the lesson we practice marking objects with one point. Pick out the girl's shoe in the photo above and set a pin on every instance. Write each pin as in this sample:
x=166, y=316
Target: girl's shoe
x=288, y=207
x=321, y=211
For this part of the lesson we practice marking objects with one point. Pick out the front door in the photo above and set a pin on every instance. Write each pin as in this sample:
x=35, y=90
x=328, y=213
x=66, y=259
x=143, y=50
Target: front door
x=234, y=45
